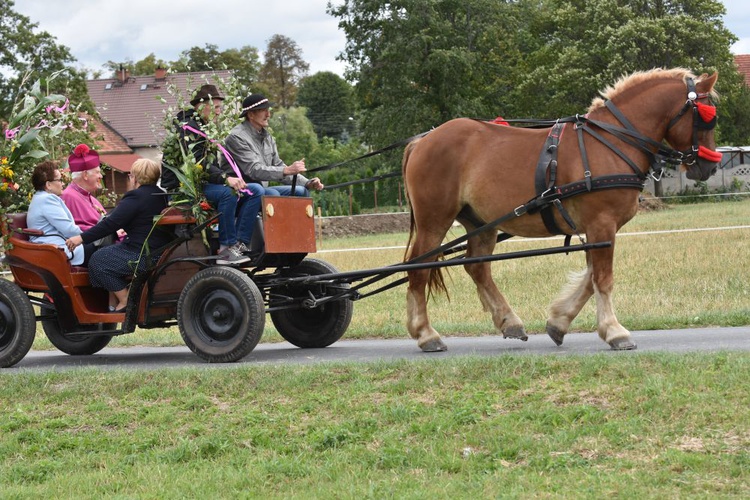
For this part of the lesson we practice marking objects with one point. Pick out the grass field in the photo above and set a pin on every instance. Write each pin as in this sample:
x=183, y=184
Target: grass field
x=622, y=425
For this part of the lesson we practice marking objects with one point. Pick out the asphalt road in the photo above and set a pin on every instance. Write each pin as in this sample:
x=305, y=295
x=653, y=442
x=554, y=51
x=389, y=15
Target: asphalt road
x=365, y=351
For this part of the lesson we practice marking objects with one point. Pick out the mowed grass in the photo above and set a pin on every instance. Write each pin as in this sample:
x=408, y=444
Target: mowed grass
x=622, y=425
x=664, y=280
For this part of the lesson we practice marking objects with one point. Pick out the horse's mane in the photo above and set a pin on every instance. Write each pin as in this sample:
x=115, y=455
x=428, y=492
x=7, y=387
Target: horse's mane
x=629, y=81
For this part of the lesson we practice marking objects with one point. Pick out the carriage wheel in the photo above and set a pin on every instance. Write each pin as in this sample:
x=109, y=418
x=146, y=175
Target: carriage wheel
x=317, y=327
x=221, y=314
x=17, y=324
x=77, y=345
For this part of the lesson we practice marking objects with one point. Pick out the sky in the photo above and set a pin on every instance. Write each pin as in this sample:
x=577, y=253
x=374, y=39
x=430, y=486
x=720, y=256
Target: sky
x=97, y=31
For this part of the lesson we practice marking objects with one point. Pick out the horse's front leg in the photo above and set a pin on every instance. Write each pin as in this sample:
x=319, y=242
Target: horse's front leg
x=566, y=307
x=610, y=330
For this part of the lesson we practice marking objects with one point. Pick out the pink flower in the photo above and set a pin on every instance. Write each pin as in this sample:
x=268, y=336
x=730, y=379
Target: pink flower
x=58, y=109
x=11, y=132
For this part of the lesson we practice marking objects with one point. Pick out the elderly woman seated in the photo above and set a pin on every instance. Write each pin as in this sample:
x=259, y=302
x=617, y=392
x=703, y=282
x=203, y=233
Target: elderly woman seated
x=49, y=214
x=111, y=266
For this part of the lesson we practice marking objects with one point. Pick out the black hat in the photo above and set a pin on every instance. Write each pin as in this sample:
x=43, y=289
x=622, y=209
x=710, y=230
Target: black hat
x=253, y=102
x=205, y=93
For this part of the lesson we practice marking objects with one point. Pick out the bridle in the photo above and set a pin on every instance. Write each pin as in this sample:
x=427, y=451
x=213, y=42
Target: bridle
x=704, y=118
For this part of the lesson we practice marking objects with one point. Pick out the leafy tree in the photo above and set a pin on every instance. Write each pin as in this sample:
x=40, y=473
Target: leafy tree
x=418, y=64
x=580, y=47
x=244, y=61
x=24, y=51
x=329, y=100
x=283, y=69
x=294, y=134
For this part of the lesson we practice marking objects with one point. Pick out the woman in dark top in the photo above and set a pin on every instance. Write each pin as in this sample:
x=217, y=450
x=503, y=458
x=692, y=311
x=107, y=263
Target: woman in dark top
x=111, y=265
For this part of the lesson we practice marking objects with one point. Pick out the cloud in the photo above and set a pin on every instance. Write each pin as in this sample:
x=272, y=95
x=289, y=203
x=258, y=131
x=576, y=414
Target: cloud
x=97, y=31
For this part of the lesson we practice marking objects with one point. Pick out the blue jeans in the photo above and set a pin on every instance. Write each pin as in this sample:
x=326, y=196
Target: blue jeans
x=287, y=191
x=237, y=219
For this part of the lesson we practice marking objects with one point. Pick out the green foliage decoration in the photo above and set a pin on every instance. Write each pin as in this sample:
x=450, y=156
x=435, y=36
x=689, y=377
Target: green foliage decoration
x=41, y=126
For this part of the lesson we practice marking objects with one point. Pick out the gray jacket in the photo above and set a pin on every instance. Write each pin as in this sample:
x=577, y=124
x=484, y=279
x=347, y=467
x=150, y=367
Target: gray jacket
x=256, y=155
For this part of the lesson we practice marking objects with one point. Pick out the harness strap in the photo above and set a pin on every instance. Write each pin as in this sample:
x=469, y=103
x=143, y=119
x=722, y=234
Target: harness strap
x=547, y=165
x=579, y=128
x=599, y=137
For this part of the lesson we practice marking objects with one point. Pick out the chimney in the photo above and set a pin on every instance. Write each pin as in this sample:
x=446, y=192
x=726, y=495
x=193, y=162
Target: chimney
x=160, y=73
x=123, y=75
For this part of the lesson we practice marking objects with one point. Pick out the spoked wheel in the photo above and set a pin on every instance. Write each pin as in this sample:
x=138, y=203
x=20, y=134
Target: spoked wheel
x=74, y=344
x=317, y=327
x=17, y=324
x=221, y=314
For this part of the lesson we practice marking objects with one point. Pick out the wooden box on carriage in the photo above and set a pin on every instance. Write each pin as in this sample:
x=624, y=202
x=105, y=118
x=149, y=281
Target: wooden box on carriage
x=288, y=224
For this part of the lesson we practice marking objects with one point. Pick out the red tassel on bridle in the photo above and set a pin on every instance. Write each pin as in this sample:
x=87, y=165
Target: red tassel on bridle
x=706, y=111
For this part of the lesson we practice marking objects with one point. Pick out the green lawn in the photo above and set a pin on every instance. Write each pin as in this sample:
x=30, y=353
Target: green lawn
x=623, y=425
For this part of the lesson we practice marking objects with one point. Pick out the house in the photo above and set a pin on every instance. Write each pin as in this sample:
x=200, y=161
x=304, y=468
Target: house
x=743, y=66
x=115, y=153
x=134, y=107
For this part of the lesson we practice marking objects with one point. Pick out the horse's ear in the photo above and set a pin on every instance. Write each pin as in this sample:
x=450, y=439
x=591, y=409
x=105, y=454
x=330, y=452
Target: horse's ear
x=706, y=83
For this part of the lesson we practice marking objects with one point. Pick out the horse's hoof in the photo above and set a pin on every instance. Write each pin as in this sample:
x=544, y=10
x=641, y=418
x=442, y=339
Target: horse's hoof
x=623, y=344
x=515, y=332
x=555, y=334
x=434, y=345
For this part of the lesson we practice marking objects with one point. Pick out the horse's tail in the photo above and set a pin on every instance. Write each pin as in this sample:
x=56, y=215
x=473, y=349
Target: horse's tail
x=436, y=282
x=407, y=151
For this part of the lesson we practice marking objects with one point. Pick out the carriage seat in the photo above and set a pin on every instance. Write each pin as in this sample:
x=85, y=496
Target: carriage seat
x=19, y=232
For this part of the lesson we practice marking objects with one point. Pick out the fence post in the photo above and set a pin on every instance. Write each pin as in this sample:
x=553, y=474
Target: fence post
x=350, y=200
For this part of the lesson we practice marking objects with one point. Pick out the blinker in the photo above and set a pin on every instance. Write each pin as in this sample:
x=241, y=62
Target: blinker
x=707, y=114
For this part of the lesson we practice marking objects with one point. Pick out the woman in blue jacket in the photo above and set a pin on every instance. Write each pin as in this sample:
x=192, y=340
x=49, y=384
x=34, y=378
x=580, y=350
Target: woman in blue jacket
x=48, y=213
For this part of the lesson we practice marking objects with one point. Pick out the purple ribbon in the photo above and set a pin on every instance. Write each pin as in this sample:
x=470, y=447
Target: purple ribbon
x=226, y=153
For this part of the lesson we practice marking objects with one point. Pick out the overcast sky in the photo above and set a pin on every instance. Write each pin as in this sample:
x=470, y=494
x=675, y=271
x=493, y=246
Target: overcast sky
x=97, y=31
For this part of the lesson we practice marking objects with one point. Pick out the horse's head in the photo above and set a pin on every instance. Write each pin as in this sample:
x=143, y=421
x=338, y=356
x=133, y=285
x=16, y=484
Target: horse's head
x=691, y=131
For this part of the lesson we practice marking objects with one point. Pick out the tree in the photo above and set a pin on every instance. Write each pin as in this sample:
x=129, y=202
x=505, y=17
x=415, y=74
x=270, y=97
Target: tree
x=24, y=51
x=244, y=61
x=329, y=101
x=282, y=70
x=582, y=46
x=294, y=134
x=418, y=64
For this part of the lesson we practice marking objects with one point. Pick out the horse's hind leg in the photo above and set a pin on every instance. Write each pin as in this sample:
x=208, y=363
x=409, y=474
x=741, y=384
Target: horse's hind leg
x=417, y=320
x=506, y=321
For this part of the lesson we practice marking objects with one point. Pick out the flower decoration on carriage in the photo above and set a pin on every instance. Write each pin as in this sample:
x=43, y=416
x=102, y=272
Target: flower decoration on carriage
x=40, y=126
x=178, y=157
x=191, y=175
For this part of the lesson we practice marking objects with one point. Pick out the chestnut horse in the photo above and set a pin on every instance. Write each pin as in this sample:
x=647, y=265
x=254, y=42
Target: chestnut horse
x=475, y=172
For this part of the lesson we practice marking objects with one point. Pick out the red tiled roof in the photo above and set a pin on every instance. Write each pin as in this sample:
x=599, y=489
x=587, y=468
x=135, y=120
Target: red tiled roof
x=106, y=139
x=134, y=108
x=121, y=162
x=743, y=66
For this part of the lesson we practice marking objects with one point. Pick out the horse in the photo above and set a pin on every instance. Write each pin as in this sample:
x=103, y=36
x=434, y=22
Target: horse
x=578, y=175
